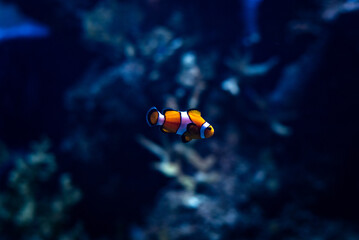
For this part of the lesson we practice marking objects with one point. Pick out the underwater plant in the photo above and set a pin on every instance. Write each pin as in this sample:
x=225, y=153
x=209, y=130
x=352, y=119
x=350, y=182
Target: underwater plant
x=28, y=209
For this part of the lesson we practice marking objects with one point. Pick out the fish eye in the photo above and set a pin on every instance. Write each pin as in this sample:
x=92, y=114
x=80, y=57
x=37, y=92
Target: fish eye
x=209, y=128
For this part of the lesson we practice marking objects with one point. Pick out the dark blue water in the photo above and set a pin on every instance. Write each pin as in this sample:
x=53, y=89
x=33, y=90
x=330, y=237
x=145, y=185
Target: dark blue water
x=276, y=79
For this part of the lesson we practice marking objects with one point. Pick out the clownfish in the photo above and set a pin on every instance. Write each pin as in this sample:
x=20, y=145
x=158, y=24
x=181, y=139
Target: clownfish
x=189, y=124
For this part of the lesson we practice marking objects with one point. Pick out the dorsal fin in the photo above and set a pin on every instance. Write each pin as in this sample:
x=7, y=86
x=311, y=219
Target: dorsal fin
x=167, y=109
x=194, y=112
x=185, y=137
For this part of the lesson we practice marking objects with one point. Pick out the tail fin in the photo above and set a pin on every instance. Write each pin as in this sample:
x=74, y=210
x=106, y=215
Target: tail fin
x=152, y=117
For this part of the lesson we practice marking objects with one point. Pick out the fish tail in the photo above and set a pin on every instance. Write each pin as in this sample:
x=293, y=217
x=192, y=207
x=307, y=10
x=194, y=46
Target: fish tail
x=154, y=117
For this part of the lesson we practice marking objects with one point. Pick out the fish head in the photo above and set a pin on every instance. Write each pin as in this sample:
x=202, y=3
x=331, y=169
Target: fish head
x=209, y=131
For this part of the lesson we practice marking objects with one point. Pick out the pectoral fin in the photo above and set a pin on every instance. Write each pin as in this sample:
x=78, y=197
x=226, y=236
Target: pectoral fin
x=164, y=130
x=192, y=129
x=186, y=137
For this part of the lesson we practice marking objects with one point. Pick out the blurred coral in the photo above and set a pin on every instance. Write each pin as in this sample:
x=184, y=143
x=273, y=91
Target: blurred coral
x=215, y=196
x=110, y=23
x=31, y=211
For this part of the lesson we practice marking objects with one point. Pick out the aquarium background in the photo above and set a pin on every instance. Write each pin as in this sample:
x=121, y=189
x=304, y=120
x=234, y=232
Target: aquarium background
x=277, y=79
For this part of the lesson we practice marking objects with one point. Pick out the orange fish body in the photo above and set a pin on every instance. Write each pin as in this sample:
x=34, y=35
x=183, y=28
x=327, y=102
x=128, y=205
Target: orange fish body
x=189, y=124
